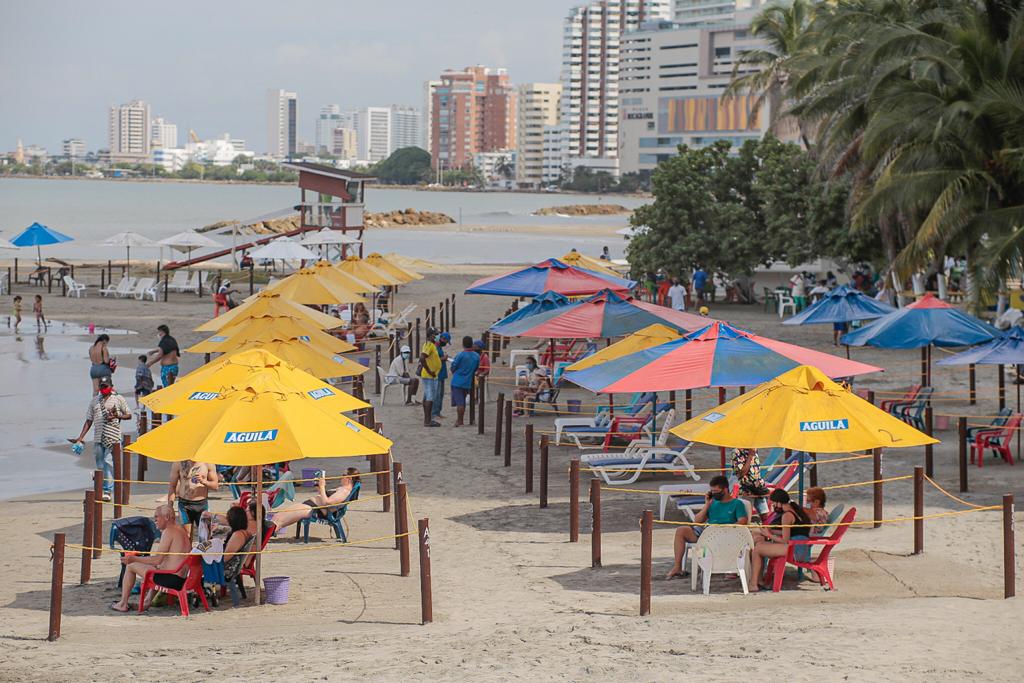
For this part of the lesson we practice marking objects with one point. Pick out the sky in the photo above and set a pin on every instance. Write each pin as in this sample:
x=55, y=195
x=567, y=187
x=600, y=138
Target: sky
x=207, y=65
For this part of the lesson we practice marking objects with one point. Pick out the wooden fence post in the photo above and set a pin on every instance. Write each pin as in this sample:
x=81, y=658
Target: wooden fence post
x=1009, y=551
x=961, y=425
x=116, y=456
x=574, y=500
x=918, y=510
x=472, y=401
x=528, y=460
x=453, y=311
x=508, y=434
x=877, y=475
x=426, y=595
x=689, y=403
x=97, y=518
x=498, y=415
x=928, y=457
x=384, y=466
x=646, y=551
x=403, y=541
x=88, y=510
x=595, y=532
x=971, y=383
x=376, y=364
x=396, y=479
x=543, y=470
x=56, y=586
x=482, y=392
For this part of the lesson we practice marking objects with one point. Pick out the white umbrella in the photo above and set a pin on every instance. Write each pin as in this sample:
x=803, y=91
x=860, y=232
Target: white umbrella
x=631, y=231
x=128, y=239
x=328, y=236
x=187, y=241
x=283, y=249
x=6, y=244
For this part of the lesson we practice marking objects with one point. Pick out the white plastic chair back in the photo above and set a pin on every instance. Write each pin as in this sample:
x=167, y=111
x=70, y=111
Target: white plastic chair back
x=721, y=550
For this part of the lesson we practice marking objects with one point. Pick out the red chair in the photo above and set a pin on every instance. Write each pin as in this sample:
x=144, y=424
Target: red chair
x=995, y=440
x=889, y=405
x=818, y=565
x=193, y=583
x=250, y=565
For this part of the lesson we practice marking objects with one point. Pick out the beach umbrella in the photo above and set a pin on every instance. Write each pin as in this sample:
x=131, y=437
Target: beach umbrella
x=5, y=244
x=551, y=275
x=381, y=263
x=307, y=287
x=128, y=240
x=803, y=410
x=303, y=356
x=925, y=323
x=326, y=270
x=268, y=328
x=1006, y=349
x=652, y=335
x=547, y=301
x=718, y=355
x=575, y=258
x=270, y=303
x=605, y=314
x=843, y=304
x=38, y=236
x=206, y=383
x=188, y=240
x=283, y=249
x=357, y=267
x=327, y=236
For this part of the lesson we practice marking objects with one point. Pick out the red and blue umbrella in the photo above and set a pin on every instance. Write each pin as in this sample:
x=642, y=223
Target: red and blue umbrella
x=927, y=322
x=717, y=355
x=606, y=314
x=843, y=304
x=551, y=275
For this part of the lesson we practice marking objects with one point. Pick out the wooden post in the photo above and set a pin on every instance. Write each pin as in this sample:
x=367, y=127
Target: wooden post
x=385, y=481
x=689, y=403
x=426, y=596
x=116, y=455
x=876, y=475
x=721, y=449
x=971, y=380
x=924, y=366
x=257, y=598
x=499, y=413
x=574, y=500
x=595, y=532
x=166, y=288
x=448, y=315
x=481, y=393
x=928, y=426
x=376, y=364
x=871, y=396
x=97, y=518
x=56, y=586
x=252, y=281
x=646, y=550
x=672, y=399
x=417, y=346
x=1001, y=377
x=814, y=469
x=453, y=311
x=472, y=401
x=528, y=460
x=88, y=510
x=543, y=470
x=126, y=472
x=396, y=479
x=508, y=434
x=403, y=541
x=918, y=510
x=1009, y=551
x=961, y=425
x=433, y=317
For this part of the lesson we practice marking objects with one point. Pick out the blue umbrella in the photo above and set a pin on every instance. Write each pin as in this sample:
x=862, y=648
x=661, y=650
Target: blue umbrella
x=1006, y=349
x=842, y=305
x=548, y=301
x=38, y=235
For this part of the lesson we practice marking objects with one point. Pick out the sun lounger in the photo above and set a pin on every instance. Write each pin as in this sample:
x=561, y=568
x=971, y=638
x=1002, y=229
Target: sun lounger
x=118, y=289
x=75, y=289
x=179, y=281
x=146, y=287
x=616, y=426
x=641, y=457
x=333, y=517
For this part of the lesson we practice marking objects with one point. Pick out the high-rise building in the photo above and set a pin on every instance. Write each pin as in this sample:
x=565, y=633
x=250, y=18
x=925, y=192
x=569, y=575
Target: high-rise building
x=128, y=132
x=330, y=118
x=164, y=134
x=671, y=79
x=590, y=76
x=708, y=12
x=474, y=110
x=427, y=113
x=73, y=148
x=406, y=127
x=536, y=108
x=373, y=133
x=282, y=121
x=345, y=144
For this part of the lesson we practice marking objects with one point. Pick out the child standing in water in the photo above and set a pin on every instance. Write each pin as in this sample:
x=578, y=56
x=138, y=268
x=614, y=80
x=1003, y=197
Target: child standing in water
x=17, y=313
x=37, y=308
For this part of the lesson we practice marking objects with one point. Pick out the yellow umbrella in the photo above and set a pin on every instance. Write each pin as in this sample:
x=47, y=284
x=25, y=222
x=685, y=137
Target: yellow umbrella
x=353, y=265
x=801, y=409
x=382, y=263
x=652, y=335
x=271, y=303
x=327, y=270
x=308, y=287
x=260, y=368
x=267, y=328
x=302, y=356
x=575, y=258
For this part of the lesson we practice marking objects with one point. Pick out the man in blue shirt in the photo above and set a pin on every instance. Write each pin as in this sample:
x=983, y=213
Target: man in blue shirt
x=719, y=508
x=443, y=340
x=700, y=279
x=463, y=368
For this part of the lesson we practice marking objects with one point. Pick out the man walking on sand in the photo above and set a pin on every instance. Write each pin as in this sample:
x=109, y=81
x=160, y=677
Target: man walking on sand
x=104, y=414
x=167, y=353
x=173, y=539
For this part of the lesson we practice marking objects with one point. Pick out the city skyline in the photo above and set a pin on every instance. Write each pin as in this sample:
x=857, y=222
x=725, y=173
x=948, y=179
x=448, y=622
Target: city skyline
x=344, y=61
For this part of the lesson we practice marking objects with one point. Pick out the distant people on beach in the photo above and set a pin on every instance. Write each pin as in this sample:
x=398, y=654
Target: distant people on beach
x=484, y=369
x=246, y=262
x=17, y=313
x=700, y=281
x=677, y=296
x=464, y=368
x=224, y=297
x=104, y=414
x=102, y=365
x=429, y=367
x=605, y=254
x=144, y=384
x=538, y=386
x=443, y=340
x=398, y=373
x=793, y=522
x=37, y=308
x=167, y=353
x=168, y=554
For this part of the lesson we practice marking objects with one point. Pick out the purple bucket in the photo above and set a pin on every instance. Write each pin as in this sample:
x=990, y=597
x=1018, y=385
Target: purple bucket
x=574, y=405
x=310, y=474
x=365, y=360
x=277, y=589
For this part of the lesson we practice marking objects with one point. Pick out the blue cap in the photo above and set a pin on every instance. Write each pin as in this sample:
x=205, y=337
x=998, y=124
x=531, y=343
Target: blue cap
x=444, y=336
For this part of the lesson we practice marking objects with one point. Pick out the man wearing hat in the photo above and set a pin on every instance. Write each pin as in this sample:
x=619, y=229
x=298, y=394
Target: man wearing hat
x=104, y=414
x=398, y=373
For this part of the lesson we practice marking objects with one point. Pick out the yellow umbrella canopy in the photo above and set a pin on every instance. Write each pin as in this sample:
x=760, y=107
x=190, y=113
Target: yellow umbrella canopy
x=353, y=265
x=303, y=356
x=308, y=287
x=270, y=303
x=382, y=263
x=804, y=410
x=652, y=335
x=327, y=270
x=575, y=258
x=258, y=368
x=267, y=328
x=258, y=422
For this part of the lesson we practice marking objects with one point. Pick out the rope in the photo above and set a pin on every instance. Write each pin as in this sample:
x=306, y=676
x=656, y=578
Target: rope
x=701, y=493
x=807, y=462
x=892, y=520
x=323, y=546
x=253, y=483
x=950, y=495
x=280, y=509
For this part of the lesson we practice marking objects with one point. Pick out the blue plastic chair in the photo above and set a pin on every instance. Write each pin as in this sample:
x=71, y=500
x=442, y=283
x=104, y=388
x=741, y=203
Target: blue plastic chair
x=331, y=516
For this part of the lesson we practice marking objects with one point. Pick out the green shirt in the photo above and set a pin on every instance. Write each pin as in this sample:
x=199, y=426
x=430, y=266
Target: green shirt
x=728, y=512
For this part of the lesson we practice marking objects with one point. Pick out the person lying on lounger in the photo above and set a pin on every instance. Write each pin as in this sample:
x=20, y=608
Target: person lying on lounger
x=318, y=504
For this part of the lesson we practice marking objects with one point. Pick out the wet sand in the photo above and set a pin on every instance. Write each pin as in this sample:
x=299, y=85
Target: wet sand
x=513, y=600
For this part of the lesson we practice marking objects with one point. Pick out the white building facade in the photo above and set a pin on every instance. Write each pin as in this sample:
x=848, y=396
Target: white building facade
x=282, y=122
x=427, y=113
x=536, y=107
x=73, y=148
x=498, y=168
x=163, y=133
x=128, y=132
x=373, y=132
x=330, y=117
x=345, y=144
x=406, y=128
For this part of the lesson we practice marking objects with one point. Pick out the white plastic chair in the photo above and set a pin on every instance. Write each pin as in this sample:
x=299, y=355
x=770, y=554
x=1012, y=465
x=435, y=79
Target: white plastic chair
x=112, y=289
x=786, y=301
x=179, y=281
x=145, y=287
x=75, y=289
x=192, y=284
x=383, y=385
x=721, y=550
x=126, y=289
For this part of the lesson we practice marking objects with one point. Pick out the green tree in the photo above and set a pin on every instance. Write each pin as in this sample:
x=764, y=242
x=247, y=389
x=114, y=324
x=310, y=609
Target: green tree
x=406, y=166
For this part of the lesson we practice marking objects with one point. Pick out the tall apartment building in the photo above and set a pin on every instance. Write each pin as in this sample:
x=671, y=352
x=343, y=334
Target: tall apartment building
x=344, y=144
x=473, y=111
x=73, y=148
x=164, y=134
x=128, y=132
x=590, y=76
x=282, y=122
x=707, y=12
x=330, y=117
x=406, y=127
x=427, y=114
x=536, y=107
x=373, y=132
x=671, y=79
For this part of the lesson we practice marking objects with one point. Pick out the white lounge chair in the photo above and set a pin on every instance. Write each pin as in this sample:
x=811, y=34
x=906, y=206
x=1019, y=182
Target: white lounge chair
x=116, y=290
x=179, y=281
x=600, y=421
x=642, y=457
x=576, y=434
x=75, y=289
x=192, y=284
x=721, y=550
x=146, y=287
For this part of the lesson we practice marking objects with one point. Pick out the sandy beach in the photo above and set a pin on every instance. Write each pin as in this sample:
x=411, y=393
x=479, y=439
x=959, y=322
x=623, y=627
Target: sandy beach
x=513, y=599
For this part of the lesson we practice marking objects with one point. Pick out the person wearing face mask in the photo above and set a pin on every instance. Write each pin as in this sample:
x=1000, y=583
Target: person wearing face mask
x=429, y=367
x=398, y=373
x=443, y=340
x=536, y=382
x=793, y=524
x=719, y=508
x=104, y=414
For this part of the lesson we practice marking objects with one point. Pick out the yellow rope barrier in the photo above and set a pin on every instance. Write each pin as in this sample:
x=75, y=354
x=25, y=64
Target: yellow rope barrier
x=807, y=462
x=892, y=520
x=701, y=493
x=280, y=509
x=950, y=495
x=304, y=548
x=253, y=483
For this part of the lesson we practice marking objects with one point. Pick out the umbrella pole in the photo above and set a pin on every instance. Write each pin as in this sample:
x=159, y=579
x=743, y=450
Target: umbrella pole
x=721, y=449
x=1001, y=377
x=847, y=351
x=127, y=261
x=924, y=366
x=259, y=532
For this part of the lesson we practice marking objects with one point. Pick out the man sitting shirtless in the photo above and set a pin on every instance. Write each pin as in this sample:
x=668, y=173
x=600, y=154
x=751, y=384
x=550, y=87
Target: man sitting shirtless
x=173, y=539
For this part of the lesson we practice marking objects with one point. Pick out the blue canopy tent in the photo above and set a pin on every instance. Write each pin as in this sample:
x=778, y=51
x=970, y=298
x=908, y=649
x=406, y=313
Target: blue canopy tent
x=38, y=235
x=841, y=306
x=1006, y=349
x=925, y=323
x=548, y=301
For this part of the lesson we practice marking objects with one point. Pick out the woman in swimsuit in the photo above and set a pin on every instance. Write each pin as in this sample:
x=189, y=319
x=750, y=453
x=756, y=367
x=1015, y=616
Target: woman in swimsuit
x=771, y=543
x=99, y=355
x=323, y=499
